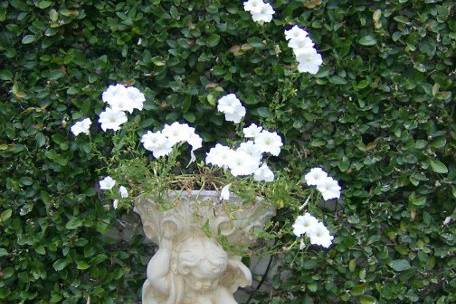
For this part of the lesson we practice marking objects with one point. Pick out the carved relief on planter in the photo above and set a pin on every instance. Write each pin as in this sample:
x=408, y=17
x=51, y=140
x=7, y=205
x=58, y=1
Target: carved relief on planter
x=191, y=266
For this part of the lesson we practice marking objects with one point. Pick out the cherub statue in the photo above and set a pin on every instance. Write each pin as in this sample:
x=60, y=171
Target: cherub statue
x=195, y=270
x=190, y=267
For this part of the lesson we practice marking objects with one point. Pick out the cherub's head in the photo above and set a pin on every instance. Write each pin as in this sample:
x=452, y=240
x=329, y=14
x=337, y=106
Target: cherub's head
x=201, y=260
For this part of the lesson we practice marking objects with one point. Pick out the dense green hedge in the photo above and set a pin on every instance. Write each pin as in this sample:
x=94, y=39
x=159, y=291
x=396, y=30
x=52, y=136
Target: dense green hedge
x=379, y=116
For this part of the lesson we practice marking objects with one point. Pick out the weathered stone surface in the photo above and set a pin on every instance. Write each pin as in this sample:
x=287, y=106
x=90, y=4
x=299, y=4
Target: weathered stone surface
x=190, y=265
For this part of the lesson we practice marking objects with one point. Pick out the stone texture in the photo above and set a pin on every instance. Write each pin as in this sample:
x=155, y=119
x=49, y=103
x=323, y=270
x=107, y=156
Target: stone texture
x=190, y=265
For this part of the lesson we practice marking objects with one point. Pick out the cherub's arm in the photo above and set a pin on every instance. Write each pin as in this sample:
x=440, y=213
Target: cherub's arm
x=159, y=266
x=236, y=275
x=159, y=275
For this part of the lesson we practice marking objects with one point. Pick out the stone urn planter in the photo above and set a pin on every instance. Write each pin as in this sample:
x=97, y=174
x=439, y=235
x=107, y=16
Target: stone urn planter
x=192, y=264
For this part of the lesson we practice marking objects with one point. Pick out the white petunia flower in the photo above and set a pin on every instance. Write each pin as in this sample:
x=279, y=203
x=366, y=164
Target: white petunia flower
x=251, y=149
x=112, y=91
x=315, y=176
x=303, y=224
x=295, y=33
x=252, y=131
x=228, y=103
x=219, y=156
x=320, y=235
x=232, y=107
x=137, y=98
x=264, y=14
x=269, y=142
x=253, y=5
x=225, y=193
x=163, y=150
x=111, y=119
x=195, y=141
x=158, y=143
x=177, y=132
x=329, y=188
x=107, y=183
x=301, y=45
x=309, y=61
x=447, y=220
x=242, y=163
x=236, y=116
x=121, y=98
x=263, y=174
x=82, y=126
x=123, y=192
x=115, y=204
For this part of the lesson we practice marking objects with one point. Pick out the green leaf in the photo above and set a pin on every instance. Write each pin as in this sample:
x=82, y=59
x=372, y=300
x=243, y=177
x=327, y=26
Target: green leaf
x=98, y=259
x=366, y=299
x=428, y=46
x=313, y=287
x=262, y=112
x=352, y=265
x=5, y=215
x=73, y=223
x=40, y=250
x=60, y=264
x=213, y=40
x=400, y=265
x=255, y=42
x=2, y=14
x=438, y=167
x=69, y=13
x=337, y=80
x=358, y=290
x=190, y=117
x=402, y=19
x=158, y=61
x=6, y=75
x=317, y=142
x=56, y=74
x=26, y=181
x=28, y=39
x=417, y=200
x=72, y=91
x=211, y=100
x=40, y=139
x=53, y=15
x=43, y=4
x=82, y=265
x=3, y=252
x=367, y=40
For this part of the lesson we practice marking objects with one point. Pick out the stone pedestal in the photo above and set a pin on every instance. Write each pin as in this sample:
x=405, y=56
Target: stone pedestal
x=199, y=238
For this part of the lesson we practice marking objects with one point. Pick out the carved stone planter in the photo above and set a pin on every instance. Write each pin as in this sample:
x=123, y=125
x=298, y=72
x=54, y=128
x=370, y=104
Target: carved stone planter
x=191, y=266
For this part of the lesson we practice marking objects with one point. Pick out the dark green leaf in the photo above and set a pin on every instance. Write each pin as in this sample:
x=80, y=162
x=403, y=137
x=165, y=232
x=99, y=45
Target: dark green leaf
x=43, y=4
x=438, y=166
x=365, y=299
x=60, y=264
x=6, y=75
x=28, y=39
x=367, y=40
x=5, y=215
x=400, y=265
x=74, y=223
x=213, y=40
